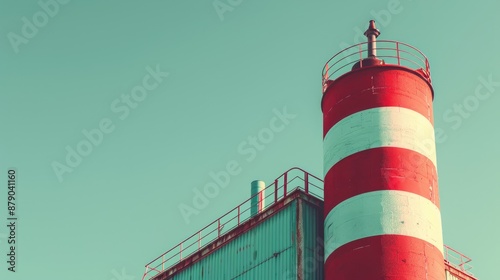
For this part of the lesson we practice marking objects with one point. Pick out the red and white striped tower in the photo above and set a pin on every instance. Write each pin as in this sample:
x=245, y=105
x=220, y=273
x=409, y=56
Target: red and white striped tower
x=382, y=216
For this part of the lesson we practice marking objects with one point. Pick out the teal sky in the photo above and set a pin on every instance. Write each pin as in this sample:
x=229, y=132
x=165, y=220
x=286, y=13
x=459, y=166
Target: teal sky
x=119, y=207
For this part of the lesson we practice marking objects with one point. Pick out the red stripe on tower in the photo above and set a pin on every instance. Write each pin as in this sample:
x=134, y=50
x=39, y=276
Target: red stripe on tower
x=382, y=216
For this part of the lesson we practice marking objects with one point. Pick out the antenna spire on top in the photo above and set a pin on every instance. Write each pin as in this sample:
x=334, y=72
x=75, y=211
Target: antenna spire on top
x=372, y=33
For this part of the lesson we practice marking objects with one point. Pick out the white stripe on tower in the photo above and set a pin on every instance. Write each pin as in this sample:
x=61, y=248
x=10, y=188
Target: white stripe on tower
x=383, y=212
x=379, y=127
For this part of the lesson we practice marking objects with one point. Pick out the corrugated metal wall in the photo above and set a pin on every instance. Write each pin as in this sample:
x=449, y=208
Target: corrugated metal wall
x=267, y=251
x=313, y=242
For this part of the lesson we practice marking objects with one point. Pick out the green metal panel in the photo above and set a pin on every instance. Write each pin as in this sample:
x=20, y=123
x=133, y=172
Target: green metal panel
x=312, y=219
x=267, y=251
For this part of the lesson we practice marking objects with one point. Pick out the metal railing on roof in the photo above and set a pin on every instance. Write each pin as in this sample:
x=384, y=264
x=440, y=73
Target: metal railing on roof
x=293, y=179
x=391, y=52
x=457, y=259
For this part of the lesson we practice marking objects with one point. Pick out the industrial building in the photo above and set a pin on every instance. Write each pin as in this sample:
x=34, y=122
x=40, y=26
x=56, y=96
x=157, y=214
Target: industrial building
x=374, y=215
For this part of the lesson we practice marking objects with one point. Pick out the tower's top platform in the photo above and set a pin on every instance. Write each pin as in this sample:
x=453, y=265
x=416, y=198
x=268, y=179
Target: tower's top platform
x=372, y=53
